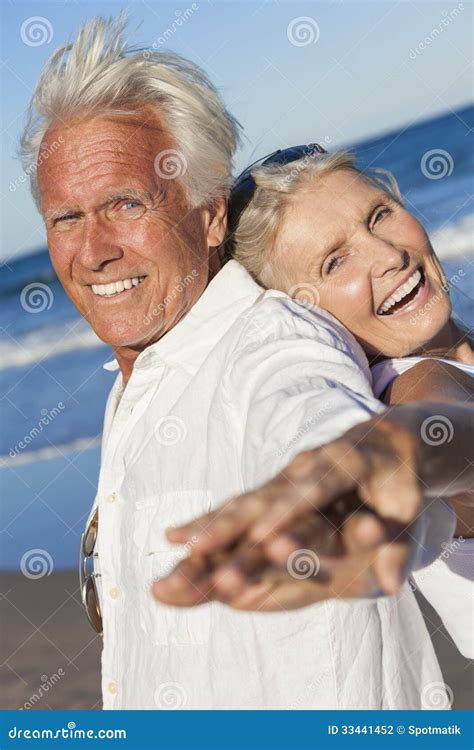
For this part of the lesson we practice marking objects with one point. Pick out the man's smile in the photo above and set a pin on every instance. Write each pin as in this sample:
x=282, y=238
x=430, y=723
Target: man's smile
x=115, y=288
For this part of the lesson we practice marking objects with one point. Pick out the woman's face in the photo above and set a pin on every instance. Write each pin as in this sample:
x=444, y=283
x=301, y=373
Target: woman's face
x=348, y=247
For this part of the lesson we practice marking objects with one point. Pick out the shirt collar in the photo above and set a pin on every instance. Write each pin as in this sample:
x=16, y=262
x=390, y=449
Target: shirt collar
x=189, y=341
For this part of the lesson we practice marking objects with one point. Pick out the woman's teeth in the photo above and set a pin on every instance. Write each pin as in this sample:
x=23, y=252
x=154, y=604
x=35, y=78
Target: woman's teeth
x=400, y=293
x=108, y=290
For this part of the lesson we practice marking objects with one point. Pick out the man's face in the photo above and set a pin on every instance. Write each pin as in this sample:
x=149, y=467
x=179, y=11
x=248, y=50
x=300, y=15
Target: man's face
x=110, y=217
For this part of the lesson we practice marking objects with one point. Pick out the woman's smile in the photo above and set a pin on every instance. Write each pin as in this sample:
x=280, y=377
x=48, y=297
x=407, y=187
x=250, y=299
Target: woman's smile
x=408, y=296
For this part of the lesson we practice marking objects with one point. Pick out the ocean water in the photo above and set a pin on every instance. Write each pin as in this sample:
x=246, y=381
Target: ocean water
x=53, y=385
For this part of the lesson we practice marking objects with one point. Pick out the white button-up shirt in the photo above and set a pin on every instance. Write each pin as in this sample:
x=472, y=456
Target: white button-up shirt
x=245, y=381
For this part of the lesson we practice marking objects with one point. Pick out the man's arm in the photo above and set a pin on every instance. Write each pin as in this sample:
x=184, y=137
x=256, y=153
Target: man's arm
x=301, y=393
x=384, y=461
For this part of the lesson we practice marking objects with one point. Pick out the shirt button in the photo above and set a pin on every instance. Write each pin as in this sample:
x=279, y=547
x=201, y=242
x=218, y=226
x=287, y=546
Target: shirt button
x=112, y=687
x=112, y=497
x=114, y=592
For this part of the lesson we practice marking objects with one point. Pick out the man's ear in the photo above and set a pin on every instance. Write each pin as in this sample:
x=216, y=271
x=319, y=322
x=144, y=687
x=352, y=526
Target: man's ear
x=215, y=219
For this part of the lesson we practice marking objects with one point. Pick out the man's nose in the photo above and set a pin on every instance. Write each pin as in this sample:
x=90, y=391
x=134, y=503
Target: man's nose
x=98, y=246
x=387, y=258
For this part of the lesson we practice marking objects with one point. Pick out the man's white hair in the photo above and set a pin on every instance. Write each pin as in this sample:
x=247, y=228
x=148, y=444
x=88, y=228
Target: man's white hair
x=99, y=74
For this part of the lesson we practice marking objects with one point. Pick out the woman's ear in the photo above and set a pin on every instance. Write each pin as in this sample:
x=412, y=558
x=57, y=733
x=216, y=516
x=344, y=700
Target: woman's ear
x=215, y=219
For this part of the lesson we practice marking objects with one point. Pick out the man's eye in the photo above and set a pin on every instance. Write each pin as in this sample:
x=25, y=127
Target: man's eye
x=127, y=209
x=66, y=217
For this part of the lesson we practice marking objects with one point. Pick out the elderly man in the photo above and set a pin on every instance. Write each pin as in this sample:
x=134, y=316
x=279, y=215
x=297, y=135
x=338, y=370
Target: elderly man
x=220, y=385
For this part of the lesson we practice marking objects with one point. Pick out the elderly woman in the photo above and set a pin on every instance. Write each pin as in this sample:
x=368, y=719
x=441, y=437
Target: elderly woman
x=314, y=226
x=342, y=240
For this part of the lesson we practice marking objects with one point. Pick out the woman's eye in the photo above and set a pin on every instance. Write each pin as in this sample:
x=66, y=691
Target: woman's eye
x=380, y=214
x=333, y=264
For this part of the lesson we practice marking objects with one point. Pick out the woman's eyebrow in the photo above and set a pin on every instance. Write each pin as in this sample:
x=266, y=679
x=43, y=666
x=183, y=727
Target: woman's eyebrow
x=381, y=197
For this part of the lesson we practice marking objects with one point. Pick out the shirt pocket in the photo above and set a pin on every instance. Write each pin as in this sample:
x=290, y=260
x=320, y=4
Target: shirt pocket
x=164, y=625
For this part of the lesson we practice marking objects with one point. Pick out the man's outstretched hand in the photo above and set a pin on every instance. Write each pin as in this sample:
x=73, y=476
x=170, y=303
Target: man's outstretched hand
x=341, y=554
x=333, y=523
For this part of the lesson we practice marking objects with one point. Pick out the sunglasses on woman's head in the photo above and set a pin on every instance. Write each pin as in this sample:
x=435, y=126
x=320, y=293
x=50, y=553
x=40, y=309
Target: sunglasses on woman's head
x=244, y=186
x=245, y=181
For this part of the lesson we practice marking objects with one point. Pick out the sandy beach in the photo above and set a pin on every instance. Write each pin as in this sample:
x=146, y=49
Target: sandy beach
x=51, y=656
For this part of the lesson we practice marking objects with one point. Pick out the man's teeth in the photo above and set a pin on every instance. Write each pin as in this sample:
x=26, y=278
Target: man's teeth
x=401, y=292
x=107, y=290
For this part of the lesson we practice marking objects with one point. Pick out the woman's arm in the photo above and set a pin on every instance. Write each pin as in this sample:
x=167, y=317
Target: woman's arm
x=441, y=382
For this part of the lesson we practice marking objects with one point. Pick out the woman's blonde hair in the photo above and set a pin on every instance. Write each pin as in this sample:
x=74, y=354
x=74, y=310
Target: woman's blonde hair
x=253, y=226
x=100, y=74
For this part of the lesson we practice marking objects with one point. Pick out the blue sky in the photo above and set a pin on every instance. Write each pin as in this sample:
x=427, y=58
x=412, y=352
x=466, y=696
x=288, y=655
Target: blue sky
x=291, y=72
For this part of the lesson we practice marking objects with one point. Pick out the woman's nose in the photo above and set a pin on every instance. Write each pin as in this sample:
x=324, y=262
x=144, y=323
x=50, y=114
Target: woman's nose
x=388, y=258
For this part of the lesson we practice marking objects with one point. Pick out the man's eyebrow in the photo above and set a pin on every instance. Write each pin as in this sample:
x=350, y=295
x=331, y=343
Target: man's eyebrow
x=55, y=213
x=125, y=194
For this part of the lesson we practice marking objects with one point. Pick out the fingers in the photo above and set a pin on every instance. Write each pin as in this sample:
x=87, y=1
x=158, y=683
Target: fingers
x=279, y=590
x=389, y=566
x=220, y=527
x=310, y=481
x=315, y=478
x=240, y=571
x=395, y=493
x=312, y=531
x=187, y=585
x=362, y=531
